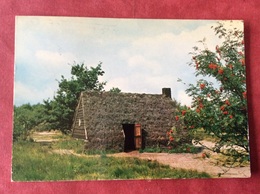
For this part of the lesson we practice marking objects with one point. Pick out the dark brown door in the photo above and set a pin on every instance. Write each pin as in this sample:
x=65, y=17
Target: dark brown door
x=129, y=131
x=138, y=136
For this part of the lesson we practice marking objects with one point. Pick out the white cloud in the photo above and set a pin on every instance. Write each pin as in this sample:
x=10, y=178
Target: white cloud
x=158, y=61
x=158, y=82
x=183, y=98
x=54, y=63
x=25, y=93
x=142, y=83
x=143, y=64
x=53, y=58
x=122, y=83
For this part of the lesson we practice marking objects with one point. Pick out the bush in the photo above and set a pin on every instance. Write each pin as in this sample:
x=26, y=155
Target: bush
x=26, y=118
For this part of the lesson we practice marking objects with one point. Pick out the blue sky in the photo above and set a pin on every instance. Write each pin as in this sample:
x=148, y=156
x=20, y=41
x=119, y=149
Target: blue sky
x=137, y=55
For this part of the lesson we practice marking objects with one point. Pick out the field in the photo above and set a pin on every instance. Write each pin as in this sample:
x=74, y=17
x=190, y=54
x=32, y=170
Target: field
x=65, y=159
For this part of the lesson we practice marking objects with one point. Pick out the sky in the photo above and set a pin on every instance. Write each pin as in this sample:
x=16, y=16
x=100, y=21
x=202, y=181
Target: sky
x=137, y=55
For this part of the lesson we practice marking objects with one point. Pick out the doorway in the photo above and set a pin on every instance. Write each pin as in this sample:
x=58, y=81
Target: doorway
x=129, y=137
x=133, y=137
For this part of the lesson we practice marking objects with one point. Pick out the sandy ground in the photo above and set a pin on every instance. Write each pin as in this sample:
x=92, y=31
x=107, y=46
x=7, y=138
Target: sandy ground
x=190, y=162
x=180, y=160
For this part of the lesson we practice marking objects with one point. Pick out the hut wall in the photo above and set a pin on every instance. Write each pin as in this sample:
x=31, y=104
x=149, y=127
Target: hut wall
x=78, y=130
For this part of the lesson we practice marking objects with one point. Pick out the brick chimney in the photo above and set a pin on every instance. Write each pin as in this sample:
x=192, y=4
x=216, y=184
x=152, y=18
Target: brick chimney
x=167, y=92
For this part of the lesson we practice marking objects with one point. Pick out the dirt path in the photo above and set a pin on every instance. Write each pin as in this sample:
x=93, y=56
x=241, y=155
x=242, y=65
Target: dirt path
x=45, y=136
x=190, y=162
x=181, y=160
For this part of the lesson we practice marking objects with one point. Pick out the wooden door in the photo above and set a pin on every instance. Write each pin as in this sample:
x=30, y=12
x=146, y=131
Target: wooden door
x=138, y=136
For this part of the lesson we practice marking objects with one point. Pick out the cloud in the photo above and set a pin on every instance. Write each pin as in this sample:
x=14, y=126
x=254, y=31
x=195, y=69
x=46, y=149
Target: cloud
x=183, y=98
x=54, y=63
x=144, y=64
x=137, y=55
x=37, y=79
x=25, y=94
x=158, y=60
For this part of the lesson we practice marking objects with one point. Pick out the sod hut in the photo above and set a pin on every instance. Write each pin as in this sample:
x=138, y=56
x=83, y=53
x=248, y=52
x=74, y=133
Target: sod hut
x=123, y=121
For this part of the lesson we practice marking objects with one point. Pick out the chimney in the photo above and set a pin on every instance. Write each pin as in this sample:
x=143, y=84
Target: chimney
x=167, y=92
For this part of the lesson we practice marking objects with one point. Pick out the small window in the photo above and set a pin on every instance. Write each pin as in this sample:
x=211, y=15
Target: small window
x=79, y=122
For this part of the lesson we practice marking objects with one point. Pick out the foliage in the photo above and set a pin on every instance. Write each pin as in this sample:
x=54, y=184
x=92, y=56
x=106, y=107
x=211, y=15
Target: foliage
x=61, y=108
x=178, y=135
x=115, y=90
x=221, y=111
x=48, y=165
x=27, y=117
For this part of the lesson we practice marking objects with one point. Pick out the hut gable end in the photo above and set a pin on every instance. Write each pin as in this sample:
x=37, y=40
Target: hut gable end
x=101, y=118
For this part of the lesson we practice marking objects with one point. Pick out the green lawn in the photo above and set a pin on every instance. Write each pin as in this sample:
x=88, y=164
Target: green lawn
x=35, y=162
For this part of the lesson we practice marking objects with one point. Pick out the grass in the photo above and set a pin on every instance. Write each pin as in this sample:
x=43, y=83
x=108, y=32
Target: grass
x=35, y=162
x=69, y=143
x=186, y=148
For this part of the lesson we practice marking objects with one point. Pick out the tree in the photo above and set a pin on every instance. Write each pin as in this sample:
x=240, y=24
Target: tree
x=220, y=109
x=26, y=118
x=61, y=108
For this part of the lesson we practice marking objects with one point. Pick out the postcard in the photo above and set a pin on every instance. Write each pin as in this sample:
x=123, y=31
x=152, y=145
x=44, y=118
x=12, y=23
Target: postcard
x=117, y=99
